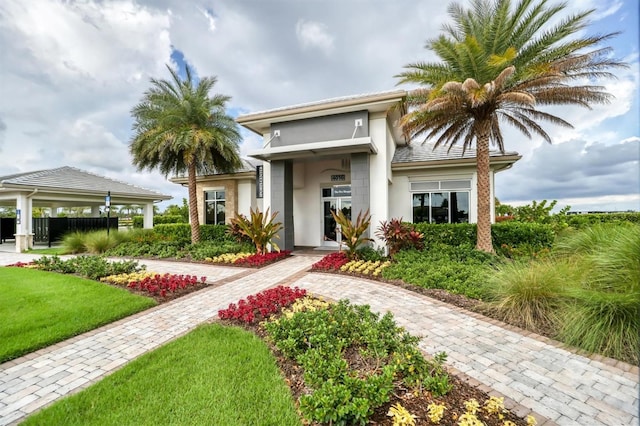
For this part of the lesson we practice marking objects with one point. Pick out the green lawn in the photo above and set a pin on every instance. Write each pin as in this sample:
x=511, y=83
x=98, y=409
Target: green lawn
x=214, y=375
x=41, y=308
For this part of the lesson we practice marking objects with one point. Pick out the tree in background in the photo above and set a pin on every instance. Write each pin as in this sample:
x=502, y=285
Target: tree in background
x=499, y=62
x=180, y=128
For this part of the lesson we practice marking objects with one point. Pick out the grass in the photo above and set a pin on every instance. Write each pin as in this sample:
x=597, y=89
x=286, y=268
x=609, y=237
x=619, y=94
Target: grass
x=41, y=308
x=48, y=251
x=586, y=294
x=214, y=375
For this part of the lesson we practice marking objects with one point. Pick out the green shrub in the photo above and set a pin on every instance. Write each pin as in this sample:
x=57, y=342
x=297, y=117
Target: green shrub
x=506, y=235
x=178, y=232
x=216, y=233
x=580, y=221
x=138, y=221
x=168, y=218
x=92, y=267
x=161, y=249
x=348, y=394
x=460, y=270
x=453, y=234
x=368, y=253
x=205, y=249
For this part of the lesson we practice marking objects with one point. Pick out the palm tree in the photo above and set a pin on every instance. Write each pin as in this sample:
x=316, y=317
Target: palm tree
x=499, y=63
x=180, y=128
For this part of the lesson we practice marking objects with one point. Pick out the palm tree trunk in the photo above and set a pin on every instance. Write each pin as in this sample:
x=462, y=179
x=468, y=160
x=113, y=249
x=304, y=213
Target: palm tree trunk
x=484, y=242
x=193, y=204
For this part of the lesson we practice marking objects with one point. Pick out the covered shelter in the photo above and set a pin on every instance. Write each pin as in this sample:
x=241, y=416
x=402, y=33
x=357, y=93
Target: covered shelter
x=68, y=187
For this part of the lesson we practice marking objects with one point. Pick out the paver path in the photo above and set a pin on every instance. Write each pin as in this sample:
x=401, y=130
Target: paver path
x=564, y=387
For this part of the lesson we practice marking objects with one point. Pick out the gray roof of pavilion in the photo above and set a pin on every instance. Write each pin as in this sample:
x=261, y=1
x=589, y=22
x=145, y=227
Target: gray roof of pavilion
x=423, y=152
x=72, y=179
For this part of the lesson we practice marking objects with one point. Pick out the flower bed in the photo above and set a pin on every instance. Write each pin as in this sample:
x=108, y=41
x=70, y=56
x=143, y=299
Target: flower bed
x=154, y=283
x=331, y=262
x=348, y=365
x=251, y=260
x=261, y=305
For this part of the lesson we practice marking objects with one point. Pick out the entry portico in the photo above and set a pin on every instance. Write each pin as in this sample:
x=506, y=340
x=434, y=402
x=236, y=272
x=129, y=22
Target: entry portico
x=349, y=154
x=67, y=187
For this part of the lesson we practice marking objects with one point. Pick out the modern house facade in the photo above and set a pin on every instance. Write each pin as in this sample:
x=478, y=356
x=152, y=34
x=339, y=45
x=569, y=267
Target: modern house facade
x=348, y=154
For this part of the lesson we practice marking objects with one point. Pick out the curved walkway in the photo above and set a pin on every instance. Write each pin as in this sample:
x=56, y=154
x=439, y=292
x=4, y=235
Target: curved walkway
x=534, y=374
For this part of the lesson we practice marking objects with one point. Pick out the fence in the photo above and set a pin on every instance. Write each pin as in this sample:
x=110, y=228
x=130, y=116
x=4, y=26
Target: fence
x=7, y=228
x=50, y=229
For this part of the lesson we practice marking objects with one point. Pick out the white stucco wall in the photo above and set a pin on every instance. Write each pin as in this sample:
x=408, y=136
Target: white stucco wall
x=309, y=177
x=378, y=172
x=246, y=196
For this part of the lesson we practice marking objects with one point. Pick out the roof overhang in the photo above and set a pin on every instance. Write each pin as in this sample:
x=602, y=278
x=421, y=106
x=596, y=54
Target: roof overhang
x=325, y=148
x=260, y=122
x=497, y=163
x=184, y=180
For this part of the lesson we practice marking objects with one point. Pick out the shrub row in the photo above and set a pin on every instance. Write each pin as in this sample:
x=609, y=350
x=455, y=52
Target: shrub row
x=138, y=221
x=182, y=232
x=580, y=221
x=505, y=234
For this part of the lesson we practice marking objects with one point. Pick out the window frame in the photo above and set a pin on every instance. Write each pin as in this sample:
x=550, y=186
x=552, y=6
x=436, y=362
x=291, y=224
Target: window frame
x=214, y=201
x=429, y=187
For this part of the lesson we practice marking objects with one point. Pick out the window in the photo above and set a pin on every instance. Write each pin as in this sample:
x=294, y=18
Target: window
x=441, y=204
x=214, y=207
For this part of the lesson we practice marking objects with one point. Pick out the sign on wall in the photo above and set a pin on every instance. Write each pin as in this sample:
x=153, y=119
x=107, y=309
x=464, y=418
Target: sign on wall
x=259, y=181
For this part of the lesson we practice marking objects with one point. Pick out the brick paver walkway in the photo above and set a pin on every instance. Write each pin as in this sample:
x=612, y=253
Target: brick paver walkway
x=534, y=375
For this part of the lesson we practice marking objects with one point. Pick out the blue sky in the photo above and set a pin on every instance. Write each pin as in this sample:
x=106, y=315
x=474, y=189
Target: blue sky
x=73, y=70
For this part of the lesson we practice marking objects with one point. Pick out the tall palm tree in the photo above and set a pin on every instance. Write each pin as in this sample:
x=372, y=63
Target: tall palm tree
x=499, y=62
x=180, y=128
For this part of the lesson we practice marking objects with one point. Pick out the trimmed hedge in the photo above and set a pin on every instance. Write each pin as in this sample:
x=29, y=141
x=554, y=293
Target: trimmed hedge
x=510, y=234
x=138, y=221
x=580, y=221
x=182, y=232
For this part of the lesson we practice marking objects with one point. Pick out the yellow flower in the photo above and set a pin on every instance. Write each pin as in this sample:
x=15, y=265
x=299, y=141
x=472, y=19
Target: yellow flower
x=468, y=419
x=401, y=416
x=471, y=406
x=531, y=421
x=436, y=411
x=494, y=405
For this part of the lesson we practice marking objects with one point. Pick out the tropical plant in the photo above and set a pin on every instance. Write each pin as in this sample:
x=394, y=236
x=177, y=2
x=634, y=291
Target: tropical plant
x=399, y=235
x=499, y=63
x=180, y=128
x=260, y=228
x=353, y=233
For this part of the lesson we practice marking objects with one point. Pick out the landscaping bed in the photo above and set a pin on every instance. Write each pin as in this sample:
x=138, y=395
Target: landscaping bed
x=369, y=368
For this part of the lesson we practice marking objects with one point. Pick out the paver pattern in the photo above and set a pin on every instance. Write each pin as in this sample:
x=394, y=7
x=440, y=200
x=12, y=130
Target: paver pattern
x=558, y=386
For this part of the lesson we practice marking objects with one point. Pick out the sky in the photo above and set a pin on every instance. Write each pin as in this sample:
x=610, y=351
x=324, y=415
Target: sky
x=70, y=72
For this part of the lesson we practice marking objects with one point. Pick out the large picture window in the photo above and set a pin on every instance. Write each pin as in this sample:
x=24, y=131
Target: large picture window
x=214, y=204
x=437, y=202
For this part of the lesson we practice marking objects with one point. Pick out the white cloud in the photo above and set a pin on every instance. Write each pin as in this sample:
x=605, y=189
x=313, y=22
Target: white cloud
x=312, y=34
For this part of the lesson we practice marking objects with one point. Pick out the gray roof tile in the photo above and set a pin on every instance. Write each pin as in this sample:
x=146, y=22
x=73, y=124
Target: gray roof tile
x=419, y=152
x=71, y=178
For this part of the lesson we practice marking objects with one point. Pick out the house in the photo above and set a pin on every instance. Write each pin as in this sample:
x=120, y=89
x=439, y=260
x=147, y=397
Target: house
x=348, y=154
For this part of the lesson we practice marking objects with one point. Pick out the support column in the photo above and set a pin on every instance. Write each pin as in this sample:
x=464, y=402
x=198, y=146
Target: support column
x=147, y=213
x=95, y=211
x=24, y=236
x=360, y=185
x=54, y=211
x=282, y=201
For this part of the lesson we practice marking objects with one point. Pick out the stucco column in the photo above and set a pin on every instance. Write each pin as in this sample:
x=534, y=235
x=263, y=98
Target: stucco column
x=147, y=213
x=95, y=211
x=54, y=211
x=282, y=201
x=360, y=185
x=24, y=237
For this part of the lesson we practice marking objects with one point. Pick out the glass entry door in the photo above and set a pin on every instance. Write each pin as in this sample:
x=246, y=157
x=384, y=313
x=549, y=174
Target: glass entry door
x=334, y=199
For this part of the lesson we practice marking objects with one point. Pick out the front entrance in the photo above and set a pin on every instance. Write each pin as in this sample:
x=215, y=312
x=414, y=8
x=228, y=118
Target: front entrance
x=334, y=199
